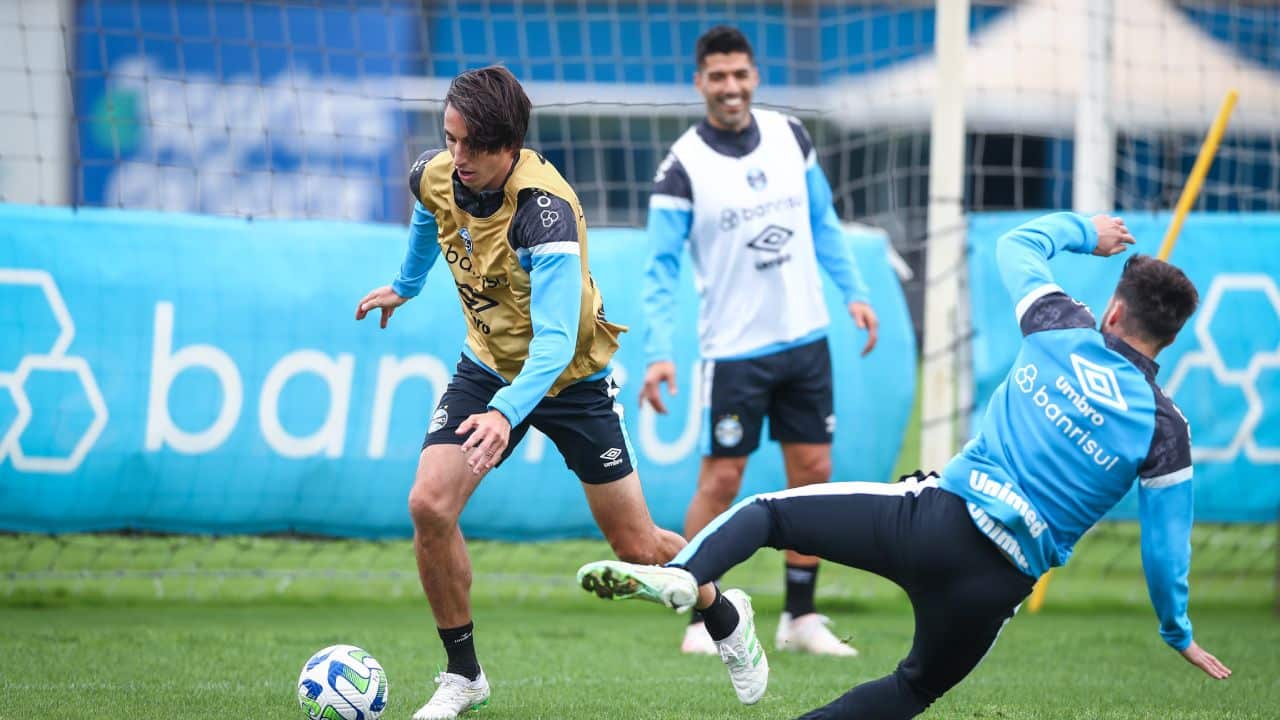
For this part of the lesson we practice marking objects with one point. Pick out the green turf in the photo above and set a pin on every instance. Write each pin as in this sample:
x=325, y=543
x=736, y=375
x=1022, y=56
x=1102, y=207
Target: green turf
x=184, y=627
x=584, y=658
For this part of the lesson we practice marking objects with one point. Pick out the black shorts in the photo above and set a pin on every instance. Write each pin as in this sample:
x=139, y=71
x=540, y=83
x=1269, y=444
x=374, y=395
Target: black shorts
x=962, y=587
x=583, y=421
x=792, y=388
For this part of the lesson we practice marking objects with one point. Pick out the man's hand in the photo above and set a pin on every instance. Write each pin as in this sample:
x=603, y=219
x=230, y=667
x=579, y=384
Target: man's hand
x=1211, y=666
x=662, y=371
x=865, y=318
x=490, y=433
x=383, y=297
x=1113, y=236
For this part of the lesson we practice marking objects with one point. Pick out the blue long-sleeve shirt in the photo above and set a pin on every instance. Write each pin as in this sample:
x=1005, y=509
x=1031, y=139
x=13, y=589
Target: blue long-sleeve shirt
x=829, y=241
x=552, y=259
x=421, y=255
x=1077, y=419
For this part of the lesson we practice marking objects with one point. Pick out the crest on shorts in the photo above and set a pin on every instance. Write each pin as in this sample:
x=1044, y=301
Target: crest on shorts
x=728, y=431
x=439, y=419
x=466, y=239
x=831, y=424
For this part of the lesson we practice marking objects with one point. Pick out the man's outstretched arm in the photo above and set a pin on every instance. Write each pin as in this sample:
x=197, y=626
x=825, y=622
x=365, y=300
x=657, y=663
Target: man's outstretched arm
x=1023, y=255
x=1165, y=507
x=420, y=256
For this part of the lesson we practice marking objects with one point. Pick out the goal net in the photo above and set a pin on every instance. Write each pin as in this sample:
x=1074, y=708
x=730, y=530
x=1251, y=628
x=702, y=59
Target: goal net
x=290, y=109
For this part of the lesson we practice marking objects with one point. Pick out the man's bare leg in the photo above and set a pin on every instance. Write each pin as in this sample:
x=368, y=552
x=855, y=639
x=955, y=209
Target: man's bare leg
x=620, y=510
x=441, y=489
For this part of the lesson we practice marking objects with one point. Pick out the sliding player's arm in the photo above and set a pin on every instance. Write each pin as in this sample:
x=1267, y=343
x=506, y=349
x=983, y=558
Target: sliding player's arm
x=669, y=222
x=544, y=233
x=1023, y=255
x=830, y=244
x=1165, y=511
x=421, y=255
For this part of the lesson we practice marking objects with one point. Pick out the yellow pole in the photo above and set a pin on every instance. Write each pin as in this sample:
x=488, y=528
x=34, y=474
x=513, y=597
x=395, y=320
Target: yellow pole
x=1205, y=159
x=1037, y=594
x=1190, y=191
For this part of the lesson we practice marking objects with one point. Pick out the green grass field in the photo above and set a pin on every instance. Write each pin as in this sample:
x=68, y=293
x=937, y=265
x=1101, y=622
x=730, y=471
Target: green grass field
x=180, y=627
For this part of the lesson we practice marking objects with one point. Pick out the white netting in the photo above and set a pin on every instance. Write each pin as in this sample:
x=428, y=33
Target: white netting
x=313, y=109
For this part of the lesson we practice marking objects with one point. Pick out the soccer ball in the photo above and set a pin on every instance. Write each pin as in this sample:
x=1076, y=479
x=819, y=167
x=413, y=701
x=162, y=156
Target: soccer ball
x=342, y=682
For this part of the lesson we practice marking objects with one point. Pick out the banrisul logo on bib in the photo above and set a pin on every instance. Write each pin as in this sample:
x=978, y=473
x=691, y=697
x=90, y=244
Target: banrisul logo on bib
x=1056, y=401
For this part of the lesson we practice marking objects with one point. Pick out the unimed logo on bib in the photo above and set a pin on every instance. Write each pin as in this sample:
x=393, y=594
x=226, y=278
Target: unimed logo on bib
x=1099, y=383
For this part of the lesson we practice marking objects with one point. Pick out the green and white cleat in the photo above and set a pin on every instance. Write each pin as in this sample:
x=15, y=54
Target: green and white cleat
x=742, y=652
x=617, y=580
x=454, y=696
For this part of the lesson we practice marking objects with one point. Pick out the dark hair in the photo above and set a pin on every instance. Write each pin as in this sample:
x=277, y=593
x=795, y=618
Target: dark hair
x=1159, y=299
x=494, y=107
x=722, y=39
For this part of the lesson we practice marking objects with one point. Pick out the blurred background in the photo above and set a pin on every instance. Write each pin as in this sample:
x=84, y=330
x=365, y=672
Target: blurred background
x=196, y=193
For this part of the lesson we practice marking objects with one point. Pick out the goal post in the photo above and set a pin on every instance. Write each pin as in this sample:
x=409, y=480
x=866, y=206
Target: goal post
x=945, y=318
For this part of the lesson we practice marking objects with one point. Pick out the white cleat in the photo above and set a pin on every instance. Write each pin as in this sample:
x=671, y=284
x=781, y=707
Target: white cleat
x=742, y=652
x=809, y=634
x=617, y=580
x=454, y=696
x=697, y=641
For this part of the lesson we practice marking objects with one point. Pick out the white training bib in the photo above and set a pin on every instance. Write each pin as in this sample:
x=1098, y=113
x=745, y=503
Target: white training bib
x=751, y=242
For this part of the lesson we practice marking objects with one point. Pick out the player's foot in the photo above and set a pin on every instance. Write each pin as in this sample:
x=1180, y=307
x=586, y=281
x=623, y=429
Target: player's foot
x=454, y=695
x=617, y=580
x=809, y=634
x=742, y=652
x=697, y=641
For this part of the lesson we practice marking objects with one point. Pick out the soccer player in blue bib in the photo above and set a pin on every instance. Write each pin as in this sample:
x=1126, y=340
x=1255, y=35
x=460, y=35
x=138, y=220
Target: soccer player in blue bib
x=744, y=190
x=1078, y=418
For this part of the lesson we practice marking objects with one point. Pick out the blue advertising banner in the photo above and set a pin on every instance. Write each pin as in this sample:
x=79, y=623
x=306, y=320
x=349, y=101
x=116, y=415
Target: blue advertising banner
x=183, y=373
x=1224, y=369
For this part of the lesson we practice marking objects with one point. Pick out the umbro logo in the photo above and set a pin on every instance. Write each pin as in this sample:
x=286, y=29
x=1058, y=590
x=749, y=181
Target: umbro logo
x=474, y=301
x=771, y=239
x=1099, y=383
x=612, y=457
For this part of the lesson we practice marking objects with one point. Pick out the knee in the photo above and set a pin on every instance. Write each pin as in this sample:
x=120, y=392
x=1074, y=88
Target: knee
x=721, y=481
x=430, y=510
x=812, y=469
x=913, y=687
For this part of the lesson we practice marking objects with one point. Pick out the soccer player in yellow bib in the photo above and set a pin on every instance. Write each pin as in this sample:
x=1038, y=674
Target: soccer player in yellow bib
x=537, y=353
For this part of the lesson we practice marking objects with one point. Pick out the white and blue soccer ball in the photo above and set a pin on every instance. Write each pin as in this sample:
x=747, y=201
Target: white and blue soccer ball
x=342, y=682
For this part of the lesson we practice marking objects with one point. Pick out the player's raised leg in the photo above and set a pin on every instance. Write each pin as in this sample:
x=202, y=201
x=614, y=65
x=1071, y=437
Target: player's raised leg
x=962, y=590
x=441, y=487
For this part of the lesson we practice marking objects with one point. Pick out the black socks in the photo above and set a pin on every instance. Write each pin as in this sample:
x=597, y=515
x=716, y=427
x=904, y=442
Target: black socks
x=801, y=581
x=720, y=616
x=459, y=644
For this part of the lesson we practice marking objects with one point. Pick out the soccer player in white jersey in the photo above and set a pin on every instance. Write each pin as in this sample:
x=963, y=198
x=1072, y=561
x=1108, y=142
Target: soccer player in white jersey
x=744, y=189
